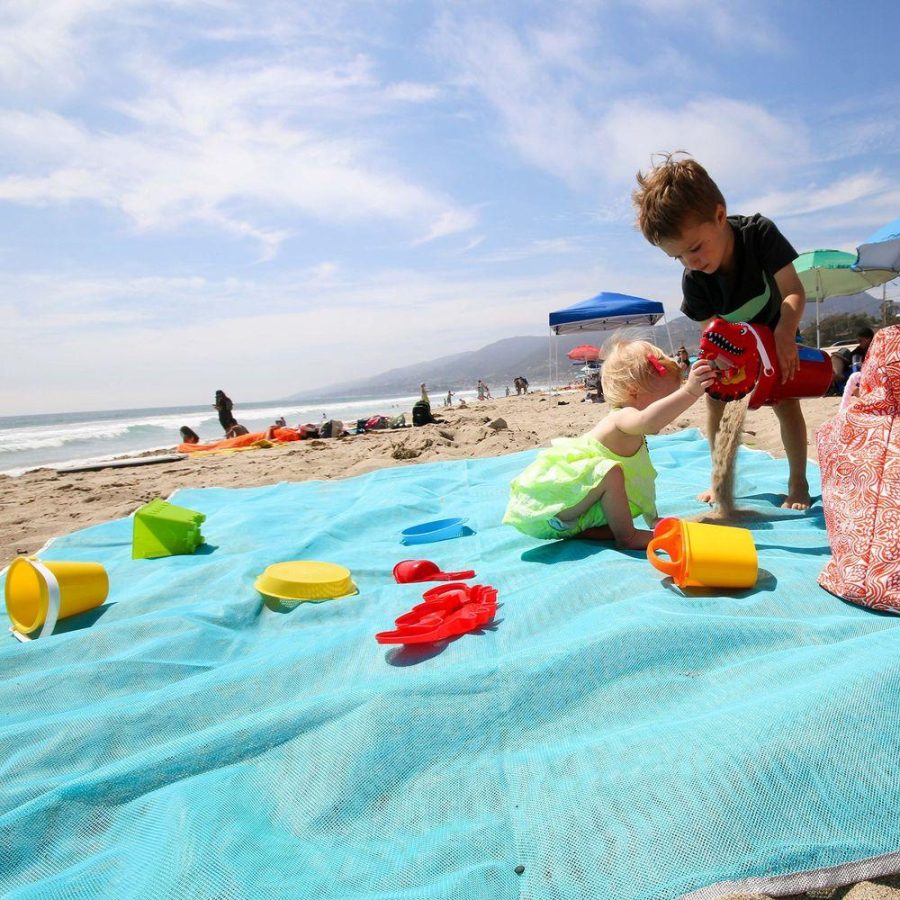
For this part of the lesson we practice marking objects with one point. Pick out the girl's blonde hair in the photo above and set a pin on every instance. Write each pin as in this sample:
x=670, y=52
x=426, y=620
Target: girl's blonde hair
x=627, y=369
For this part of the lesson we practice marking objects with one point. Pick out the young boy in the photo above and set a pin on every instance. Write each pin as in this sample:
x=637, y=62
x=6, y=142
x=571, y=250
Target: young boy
x=738, y=267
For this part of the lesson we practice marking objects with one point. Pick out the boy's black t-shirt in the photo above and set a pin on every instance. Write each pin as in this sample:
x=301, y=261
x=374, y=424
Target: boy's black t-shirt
x=760, y=250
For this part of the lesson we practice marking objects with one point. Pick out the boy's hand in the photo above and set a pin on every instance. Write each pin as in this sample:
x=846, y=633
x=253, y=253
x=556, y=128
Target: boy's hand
x=699, y=378
x=786, y=351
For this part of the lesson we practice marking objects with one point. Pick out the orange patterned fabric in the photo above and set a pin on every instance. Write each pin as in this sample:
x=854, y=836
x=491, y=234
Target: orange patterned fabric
x=859, y=457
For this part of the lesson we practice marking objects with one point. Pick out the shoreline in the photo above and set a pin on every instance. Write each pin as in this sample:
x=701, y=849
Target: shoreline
x=42, y=504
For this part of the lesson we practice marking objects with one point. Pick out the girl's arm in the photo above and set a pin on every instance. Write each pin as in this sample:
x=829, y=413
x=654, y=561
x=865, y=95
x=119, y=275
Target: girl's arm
x=659, y=413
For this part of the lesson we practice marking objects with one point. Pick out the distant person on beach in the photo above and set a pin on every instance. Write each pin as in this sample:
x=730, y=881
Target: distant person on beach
x=507, y=390
x=236, y=430
x=223, y=405
x=483, y=390
x=449, y=399
x=189, y=436
x=845, y=362
x=421, y=411
x=521, y=384
x=684, y=361
x=593, y=486
x=739, y=268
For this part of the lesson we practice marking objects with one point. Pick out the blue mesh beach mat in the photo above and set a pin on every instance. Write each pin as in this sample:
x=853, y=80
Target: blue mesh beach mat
x=608, y=737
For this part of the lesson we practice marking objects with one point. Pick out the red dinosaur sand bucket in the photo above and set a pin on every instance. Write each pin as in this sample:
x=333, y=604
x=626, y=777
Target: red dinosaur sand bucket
x=745, y=359
x=812, y=379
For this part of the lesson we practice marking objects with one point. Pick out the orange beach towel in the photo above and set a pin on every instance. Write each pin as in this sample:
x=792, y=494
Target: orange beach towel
x=280, y=436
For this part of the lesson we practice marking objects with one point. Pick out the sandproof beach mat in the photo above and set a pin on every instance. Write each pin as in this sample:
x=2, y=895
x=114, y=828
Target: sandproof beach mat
x=609, y=737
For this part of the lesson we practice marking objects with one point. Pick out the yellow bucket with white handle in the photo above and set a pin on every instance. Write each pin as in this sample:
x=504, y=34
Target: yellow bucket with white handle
x=39, y=591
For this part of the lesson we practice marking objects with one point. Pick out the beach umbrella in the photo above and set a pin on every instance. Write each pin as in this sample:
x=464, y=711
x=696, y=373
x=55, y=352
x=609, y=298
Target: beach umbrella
x=881, y=250
x=830, y=273
x=584, y=352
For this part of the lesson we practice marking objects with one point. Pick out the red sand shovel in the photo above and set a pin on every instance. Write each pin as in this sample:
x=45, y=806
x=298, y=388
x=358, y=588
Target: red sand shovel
x=410, y=570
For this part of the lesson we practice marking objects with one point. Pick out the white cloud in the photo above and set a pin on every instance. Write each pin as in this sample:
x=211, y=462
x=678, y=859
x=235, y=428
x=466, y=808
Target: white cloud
x=738, y=143
x=588, y=123
x=728, y=24
x=275, y=138
x=40, y=44
x=293, y=335
x=544, y=247
x=810, y=199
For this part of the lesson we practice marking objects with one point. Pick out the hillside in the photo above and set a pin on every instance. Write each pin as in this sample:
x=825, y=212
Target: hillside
x=498, y=363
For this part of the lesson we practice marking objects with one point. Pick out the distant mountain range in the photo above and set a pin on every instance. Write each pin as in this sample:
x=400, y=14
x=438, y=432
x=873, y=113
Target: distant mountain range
x=498, y=363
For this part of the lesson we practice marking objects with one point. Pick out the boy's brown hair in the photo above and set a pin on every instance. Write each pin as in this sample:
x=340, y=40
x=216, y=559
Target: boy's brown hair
x=674, y=194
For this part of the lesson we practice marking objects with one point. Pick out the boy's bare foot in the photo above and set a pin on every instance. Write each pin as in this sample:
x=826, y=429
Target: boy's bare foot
x=797, y=497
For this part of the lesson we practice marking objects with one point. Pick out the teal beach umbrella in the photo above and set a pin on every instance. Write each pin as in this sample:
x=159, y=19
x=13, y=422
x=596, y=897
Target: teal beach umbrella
x=831, y=273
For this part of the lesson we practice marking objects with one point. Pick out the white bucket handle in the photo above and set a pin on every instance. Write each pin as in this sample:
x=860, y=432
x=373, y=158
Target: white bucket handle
x=768, y=368
x=52, y=598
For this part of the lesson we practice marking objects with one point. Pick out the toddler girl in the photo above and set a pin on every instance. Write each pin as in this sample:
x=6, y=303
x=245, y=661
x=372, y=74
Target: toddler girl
x=594, y=486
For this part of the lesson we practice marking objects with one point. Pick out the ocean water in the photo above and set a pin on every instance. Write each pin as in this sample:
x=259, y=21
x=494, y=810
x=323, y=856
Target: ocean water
x=61, y=439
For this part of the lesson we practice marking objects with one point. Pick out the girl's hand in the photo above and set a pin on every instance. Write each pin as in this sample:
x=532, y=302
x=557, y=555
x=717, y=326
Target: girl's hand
x=699, y=378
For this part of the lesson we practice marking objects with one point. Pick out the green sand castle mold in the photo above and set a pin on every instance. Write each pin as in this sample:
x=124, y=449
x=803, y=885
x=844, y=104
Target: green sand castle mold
x=163, y=529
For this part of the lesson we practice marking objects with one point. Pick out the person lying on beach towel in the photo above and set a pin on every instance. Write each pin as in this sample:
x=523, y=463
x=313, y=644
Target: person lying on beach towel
x=593, y=486
x=273, y=434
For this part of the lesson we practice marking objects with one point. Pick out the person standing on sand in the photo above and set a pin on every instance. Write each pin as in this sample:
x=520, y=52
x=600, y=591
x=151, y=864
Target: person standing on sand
x=223, y=405
x=738, y=268
x=449, y=400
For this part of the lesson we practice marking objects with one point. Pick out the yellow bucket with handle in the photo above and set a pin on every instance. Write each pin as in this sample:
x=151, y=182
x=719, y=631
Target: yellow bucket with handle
x=701, y=555
x=39, y=591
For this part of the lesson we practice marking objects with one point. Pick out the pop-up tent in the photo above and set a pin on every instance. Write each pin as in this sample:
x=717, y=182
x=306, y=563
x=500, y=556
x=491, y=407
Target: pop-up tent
x=602, y=313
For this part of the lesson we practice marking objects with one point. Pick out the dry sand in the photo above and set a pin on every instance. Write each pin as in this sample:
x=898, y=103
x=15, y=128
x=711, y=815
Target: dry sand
x=39, y=505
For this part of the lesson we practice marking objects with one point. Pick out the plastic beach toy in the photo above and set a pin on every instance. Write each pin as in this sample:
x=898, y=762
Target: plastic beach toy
x=409, y=570
x=305, y=580
x=439, y=530
x=164, y=529
x=38, y=592
x=714, y=556
x=448, y=611
x=744, y=359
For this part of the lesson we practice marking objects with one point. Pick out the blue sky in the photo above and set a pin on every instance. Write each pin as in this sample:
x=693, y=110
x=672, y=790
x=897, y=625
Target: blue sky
x=268, y=196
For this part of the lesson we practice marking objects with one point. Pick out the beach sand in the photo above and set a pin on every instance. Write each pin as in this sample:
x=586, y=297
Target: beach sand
x=39, y=505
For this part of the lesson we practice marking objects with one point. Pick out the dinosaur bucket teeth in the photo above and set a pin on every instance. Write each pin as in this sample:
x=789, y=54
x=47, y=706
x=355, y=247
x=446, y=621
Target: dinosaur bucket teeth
x=723, y=343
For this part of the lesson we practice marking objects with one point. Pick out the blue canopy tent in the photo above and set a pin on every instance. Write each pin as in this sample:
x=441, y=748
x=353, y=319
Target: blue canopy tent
x=604, y=312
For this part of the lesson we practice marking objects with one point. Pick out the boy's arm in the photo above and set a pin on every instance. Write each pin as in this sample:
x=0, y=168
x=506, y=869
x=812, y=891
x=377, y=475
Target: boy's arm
x=792, y=307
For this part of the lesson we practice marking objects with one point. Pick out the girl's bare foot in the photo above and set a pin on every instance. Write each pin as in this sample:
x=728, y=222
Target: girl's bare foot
x=637, y=540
